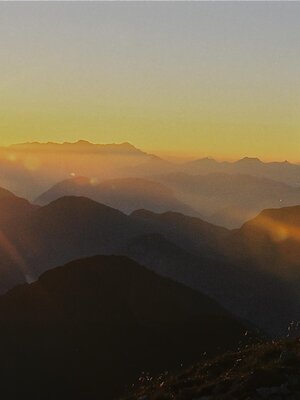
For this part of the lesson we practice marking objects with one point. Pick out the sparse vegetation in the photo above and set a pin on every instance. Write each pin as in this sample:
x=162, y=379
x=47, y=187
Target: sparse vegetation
x=262, y=371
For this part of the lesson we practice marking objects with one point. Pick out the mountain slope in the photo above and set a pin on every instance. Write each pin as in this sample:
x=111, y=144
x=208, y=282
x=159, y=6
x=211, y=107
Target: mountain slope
x=192, y=233
x=70, y=228
x=231, y=199
x=13, y=208
x=279, y=171
x=263, y=371
x=211, y=259
x=67, y=229
x=218, y=262
x=85, y=330
x=272, y=241
x=127, y=194
x=14, y=212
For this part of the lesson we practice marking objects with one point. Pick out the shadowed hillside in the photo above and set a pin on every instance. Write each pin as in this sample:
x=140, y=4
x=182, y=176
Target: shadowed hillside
x=265, y=371
x=272, y=241
x=88, y=329
x=205, y=257
x=221, y=264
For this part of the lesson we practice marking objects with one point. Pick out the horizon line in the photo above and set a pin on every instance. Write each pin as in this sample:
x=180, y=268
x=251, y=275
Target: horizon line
x=184, y=156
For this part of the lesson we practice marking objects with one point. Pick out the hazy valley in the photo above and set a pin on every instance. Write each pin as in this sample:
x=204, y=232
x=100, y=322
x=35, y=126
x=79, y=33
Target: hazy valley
x=210, y=285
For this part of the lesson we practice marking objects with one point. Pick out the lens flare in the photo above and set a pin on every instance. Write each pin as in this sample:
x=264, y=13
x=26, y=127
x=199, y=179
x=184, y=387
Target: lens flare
x=277, y=230
x=11, y=251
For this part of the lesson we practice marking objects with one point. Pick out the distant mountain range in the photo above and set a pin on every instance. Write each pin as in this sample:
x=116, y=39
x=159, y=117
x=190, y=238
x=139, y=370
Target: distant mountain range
x=230, y=199
x=223, y=199
x=220, y=263
x=127, y=194
x=279, y=171
x=88, y=329
x=81, y=146
x=29, y=169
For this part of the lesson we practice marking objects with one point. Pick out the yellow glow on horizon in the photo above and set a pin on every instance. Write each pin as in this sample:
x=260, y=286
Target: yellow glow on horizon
x=161, y=76
x=186, y=131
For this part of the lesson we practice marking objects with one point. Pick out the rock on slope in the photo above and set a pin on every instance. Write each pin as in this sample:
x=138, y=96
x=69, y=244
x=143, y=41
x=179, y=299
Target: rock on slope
x=266, y=371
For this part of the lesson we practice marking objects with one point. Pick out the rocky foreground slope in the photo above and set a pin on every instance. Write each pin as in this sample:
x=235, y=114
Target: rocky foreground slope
x=262, y=371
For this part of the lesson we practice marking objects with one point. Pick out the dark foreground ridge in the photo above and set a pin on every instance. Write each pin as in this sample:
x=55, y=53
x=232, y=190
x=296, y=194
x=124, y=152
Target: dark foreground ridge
x=88, y=329
x=265, y=371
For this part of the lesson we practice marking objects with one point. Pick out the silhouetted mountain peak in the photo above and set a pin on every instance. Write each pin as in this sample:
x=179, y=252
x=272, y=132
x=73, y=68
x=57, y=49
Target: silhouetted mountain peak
x=288, y=215
x=127, y=145
x=205, y=162
x=79, y=205
x=72, y=274
x=82, y=143
x=90, y=327
x=249, y=160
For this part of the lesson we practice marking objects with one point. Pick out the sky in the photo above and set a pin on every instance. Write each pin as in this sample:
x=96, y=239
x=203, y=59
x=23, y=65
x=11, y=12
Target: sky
x=217, y=79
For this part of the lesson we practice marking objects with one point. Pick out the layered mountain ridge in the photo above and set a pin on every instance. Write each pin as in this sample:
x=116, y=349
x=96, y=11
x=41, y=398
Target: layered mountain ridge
x=218, y=262
x=88, y=329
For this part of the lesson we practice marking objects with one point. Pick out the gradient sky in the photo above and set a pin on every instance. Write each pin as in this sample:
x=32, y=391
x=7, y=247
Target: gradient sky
x=208, y=78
